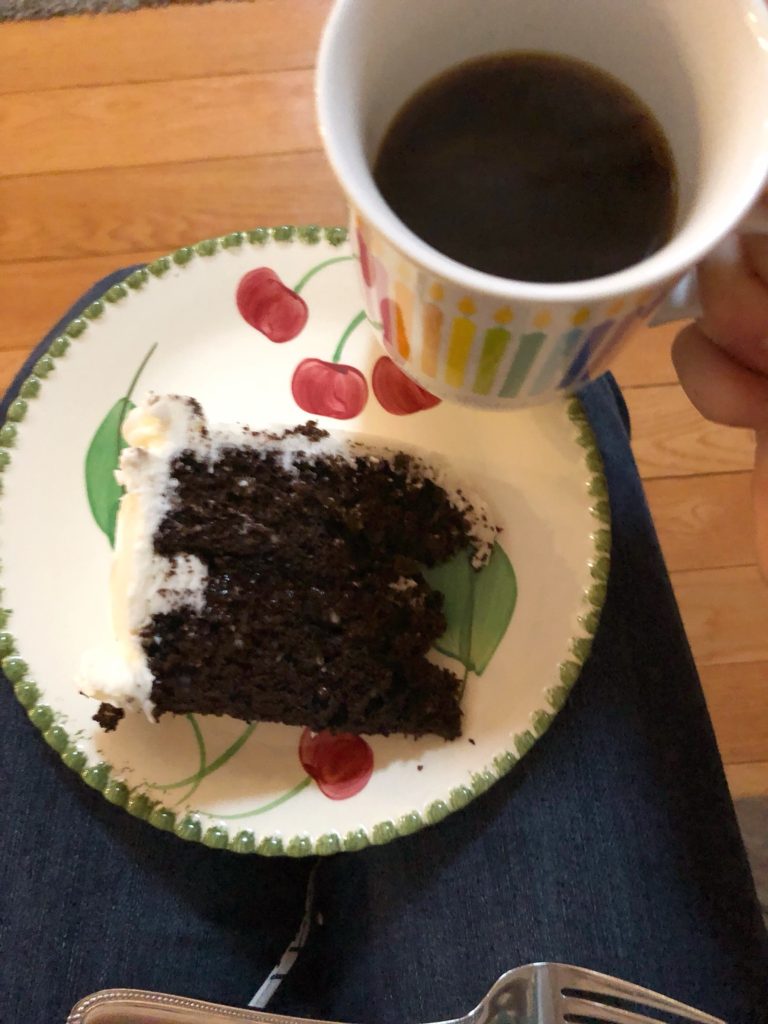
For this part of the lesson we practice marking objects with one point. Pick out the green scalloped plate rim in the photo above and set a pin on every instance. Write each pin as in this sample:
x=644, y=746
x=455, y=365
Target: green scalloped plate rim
x=26, y=387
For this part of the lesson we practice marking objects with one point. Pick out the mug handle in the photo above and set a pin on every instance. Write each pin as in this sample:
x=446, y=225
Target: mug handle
x=682, y=302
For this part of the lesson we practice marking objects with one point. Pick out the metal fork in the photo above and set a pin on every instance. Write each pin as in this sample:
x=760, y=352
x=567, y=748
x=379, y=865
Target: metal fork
x=535, y=994
x=547, y=993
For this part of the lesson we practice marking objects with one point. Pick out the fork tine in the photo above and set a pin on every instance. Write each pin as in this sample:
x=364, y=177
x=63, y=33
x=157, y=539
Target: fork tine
x=614, y=1015
x=604, y=985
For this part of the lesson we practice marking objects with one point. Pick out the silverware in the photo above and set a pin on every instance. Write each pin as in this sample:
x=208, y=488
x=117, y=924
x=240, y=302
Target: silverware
x=541, y=993
x=547, y=993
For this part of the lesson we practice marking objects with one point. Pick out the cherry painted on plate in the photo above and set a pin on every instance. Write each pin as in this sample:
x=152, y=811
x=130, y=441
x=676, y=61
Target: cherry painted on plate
x=329, y=389
x=341, y=764
x=396, y=392
x=270, y=306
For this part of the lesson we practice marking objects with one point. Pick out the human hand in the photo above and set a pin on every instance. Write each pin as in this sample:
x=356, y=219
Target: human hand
x=722, y=359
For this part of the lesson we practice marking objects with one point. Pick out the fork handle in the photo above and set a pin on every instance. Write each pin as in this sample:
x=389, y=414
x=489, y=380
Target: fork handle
x=135, y=1007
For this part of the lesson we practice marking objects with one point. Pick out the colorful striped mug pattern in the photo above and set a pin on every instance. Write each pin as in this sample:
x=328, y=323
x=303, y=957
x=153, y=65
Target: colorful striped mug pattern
x=475, y=349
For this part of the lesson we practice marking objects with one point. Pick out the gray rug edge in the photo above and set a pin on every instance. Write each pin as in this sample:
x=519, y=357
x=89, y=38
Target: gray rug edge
x=35, y=10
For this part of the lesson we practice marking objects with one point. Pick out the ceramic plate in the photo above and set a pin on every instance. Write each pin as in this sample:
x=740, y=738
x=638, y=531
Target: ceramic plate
x=518, y=631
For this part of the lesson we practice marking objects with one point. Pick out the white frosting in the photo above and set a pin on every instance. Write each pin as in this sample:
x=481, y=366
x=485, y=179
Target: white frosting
x=144, y=584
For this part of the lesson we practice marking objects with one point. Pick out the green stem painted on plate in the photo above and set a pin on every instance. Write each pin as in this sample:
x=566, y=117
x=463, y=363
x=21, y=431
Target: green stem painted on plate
x=316, y=270
x=200, y=740
x=213, y=766
x=139, y=372
x=353, y=324
x=264, y=807
x=463, y=684
x=201, y=751
x=129, y=393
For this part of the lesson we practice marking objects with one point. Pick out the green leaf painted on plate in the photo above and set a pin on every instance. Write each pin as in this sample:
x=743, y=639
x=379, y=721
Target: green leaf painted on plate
x=495, y=600
x=455, y=580
x=101, y=461
x=477, y=604
x=103, y=457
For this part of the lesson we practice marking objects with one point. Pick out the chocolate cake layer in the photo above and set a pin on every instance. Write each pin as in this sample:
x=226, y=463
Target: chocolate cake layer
x=316, y=612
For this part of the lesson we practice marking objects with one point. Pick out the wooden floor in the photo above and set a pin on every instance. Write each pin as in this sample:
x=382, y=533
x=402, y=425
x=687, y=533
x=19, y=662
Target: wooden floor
x=124, y=136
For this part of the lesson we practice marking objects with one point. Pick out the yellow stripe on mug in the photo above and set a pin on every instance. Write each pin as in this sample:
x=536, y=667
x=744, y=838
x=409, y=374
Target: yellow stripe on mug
x=459, y=348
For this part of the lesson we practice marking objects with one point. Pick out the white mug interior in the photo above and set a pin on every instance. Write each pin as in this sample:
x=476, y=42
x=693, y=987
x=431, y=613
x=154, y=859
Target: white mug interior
x=700, y=65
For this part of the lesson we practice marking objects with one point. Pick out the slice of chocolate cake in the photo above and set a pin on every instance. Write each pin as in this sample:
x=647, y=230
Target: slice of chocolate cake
x=277, y=577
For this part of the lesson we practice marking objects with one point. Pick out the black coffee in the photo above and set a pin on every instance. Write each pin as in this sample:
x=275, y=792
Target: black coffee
x=532, y=167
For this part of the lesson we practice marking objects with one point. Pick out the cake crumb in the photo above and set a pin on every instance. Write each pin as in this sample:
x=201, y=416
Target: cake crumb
x=108, y=716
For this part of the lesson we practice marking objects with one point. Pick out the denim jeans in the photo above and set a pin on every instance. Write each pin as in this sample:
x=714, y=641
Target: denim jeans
x=612, y=845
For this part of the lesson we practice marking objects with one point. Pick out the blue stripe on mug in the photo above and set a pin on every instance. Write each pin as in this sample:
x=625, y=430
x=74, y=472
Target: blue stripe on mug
x=551, y=372
x=579, y=368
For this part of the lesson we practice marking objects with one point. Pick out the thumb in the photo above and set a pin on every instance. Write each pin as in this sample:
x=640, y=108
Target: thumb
x=760, y=500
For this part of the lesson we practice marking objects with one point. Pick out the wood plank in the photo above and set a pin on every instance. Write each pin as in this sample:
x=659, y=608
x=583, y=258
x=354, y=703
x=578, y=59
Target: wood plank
x=747, y=780
x=647, y=357
x=725, y=612
x=137, y=125
x=126, y=210
x=10, y=362
x=703, y=522
x=737, y=696
x=161, y=45
x=33, y=296
x=670, y=438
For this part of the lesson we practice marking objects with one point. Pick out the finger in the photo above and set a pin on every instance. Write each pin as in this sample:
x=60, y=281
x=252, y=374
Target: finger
x=734, y=300
x=756, y=221
x=754, y=249
x=760, y=501
x=721, y=388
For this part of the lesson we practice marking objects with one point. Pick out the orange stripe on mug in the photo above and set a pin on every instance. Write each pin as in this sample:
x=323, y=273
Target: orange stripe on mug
x=431, y=329
x=459, y=347
x=404, y=300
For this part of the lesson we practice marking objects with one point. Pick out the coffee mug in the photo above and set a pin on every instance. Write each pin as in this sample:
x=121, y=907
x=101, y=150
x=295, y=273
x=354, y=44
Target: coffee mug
x=465, y=335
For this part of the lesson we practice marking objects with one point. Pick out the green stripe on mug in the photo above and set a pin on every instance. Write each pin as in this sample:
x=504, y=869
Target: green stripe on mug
x=494, y=347
x=530, y=345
